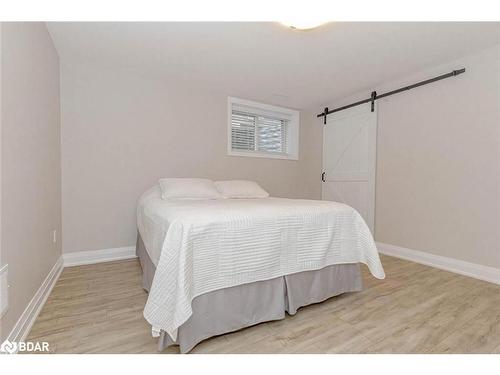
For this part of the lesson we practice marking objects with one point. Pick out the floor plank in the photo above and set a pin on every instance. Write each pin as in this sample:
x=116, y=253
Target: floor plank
x=416, y=309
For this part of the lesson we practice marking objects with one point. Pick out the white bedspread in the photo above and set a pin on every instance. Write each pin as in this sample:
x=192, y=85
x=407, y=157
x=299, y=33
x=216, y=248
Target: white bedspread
x=200, y=246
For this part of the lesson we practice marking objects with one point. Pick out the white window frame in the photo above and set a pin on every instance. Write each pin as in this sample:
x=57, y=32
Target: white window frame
x=256, y=107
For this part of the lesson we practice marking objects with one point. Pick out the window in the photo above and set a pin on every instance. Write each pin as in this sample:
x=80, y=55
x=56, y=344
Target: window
x=262, y=130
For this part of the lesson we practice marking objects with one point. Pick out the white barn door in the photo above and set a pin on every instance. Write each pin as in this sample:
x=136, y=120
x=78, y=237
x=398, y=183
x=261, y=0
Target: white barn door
x=349, y=160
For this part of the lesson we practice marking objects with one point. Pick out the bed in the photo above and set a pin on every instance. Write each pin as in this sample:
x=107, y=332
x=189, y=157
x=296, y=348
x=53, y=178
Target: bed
x=213, y=266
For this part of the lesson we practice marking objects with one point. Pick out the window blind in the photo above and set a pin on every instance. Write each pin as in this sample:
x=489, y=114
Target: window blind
x=253, y=132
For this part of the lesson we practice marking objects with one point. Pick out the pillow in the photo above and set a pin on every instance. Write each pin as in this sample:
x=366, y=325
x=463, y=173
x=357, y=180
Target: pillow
x=188, y=188
x=240, y=189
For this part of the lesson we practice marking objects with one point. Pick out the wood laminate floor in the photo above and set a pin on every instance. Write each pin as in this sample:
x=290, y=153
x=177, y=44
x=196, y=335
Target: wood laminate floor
x=416, y=309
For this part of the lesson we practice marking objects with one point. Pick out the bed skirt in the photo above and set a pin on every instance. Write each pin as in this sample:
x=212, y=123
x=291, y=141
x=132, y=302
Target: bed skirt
x=230, y=309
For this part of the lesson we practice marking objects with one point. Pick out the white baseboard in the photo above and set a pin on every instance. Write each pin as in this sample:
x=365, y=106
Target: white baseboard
x=79, y=258
x=461, y=267
x=27, y=319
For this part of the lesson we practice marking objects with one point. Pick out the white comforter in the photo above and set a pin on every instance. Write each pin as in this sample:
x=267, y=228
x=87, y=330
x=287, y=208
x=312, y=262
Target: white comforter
x=203, y=245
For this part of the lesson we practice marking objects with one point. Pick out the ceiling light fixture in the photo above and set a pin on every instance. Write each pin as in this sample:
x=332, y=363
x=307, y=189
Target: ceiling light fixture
x=304, y=24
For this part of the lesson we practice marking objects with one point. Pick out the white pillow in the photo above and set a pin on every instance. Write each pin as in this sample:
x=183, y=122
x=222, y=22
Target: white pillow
x=188, y=188
x=240, y=189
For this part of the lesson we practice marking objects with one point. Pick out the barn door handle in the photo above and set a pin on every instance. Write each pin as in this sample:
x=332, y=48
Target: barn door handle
x=323, y=176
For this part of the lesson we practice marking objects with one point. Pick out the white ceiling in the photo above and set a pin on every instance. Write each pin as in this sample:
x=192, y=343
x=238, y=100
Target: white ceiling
x=269, y=62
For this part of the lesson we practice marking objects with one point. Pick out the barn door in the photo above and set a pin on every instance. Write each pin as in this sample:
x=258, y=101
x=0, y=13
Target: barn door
x=349, y=160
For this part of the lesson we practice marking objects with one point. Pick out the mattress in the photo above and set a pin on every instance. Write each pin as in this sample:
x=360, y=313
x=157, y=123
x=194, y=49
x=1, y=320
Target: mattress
x=200, y=246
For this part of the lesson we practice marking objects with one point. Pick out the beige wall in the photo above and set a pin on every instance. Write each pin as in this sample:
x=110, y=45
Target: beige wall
x=30, y=173
x=438, y=162
x=121, y=133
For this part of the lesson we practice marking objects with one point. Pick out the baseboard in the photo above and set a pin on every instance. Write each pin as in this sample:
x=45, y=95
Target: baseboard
x=79, y=258
x=27, y=319
x=461, y=267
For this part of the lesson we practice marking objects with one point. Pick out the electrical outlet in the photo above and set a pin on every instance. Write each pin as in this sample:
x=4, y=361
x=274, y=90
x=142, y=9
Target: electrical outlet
x=54, y=236
x=4, y=290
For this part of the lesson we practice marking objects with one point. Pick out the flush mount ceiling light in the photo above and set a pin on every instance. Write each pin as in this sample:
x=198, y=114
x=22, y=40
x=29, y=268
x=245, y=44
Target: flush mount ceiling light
x=304, y=24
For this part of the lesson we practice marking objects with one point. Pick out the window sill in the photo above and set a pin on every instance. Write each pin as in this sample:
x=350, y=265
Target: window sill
x=263, y=155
